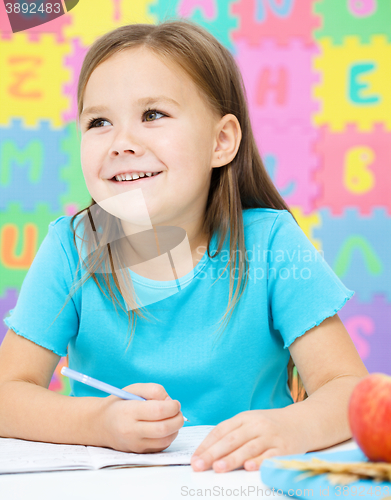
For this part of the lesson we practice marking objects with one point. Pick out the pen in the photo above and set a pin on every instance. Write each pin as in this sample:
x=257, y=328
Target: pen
x=101, y=386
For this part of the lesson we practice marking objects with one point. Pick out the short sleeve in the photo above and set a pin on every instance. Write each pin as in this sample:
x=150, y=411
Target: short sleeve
x=42, y=296
x=303, y=290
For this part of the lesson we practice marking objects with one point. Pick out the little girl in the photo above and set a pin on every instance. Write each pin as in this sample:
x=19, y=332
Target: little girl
x=185, y=230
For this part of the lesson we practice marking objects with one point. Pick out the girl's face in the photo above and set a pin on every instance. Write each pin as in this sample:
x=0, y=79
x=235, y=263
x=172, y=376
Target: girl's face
x=148, y=117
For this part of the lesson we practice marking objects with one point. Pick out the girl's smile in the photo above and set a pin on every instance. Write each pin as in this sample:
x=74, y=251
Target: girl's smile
x=138, y=178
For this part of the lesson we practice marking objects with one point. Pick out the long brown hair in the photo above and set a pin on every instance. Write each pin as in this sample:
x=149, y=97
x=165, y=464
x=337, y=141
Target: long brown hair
x=242, y=184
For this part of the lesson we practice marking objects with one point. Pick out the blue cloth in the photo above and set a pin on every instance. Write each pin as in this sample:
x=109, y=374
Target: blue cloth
x=274, y=475
x=290, y=290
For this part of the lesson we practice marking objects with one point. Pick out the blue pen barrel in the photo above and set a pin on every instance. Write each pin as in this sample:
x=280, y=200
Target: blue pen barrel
x=97, y=384
x=101, y=386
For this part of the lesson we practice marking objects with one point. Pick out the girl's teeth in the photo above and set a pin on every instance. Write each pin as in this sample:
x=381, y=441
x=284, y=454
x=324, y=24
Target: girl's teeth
x=129, y=177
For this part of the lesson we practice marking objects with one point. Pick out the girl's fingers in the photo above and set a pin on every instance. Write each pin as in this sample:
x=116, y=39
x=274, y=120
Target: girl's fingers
x=250, y=455
x=255, y=463
x=147, y=391
x=154, y=410
x=251, y=448
x=160, y=429
x=216, y=434
x=232, y=441
x=159, y=444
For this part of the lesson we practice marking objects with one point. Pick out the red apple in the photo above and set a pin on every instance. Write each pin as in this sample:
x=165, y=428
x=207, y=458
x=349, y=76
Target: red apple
x=370, y=416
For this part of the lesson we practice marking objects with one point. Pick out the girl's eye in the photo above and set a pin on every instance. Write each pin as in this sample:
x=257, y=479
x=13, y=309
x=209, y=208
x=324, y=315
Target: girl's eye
x=94, y=123
x=152, y=112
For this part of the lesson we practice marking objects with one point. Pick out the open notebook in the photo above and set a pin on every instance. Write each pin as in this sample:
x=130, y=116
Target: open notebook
x=17, y=455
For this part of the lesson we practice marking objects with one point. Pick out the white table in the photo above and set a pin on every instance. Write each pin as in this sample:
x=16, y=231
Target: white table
x=141, y=483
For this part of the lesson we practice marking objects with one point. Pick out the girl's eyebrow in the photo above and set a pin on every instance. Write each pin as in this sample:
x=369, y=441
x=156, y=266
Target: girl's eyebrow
x=145, y=101
x=92, y=110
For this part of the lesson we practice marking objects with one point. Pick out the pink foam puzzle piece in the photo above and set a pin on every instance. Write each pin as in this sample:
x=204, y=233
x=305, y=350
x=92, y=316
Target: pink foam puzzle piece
x=7, y=302
x=279, y=19
x=278, y=81
x=289, y=156
x=355, y=169
x=74, y=62
x=208, y=7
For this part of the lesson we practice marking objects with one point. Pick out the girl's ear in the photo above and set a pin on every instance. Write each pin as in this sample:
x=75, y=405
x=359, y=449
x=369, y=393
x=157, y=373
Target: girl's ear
x=228, y=137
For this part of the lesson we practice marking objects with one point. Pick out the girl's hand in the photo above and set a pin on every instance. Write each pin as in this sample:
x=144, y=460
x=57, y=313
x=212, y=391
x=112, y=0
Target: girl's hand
x=141, y=426
x=247, y=439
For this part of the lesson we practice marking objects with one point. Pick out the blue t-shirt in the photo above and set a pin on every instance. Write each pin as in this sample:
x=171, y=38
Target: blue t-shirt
x=290, y=290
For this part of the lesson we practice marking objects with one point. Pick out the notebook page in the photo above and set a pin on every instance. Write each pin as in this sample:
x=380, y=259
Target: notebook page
x=18, y=455
x=178, y=453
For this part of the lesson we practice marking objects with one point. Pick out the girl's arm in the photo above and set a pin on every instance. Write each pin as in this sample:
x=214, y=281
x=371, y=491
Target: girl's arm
x=330, y=367
x=28, y=410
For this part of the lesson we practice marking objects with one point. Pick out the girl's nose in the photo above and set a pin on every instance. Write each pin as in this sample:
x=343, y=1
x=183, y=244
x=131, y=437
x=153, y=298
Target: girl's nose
x=117, y=151
x=125, y=146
